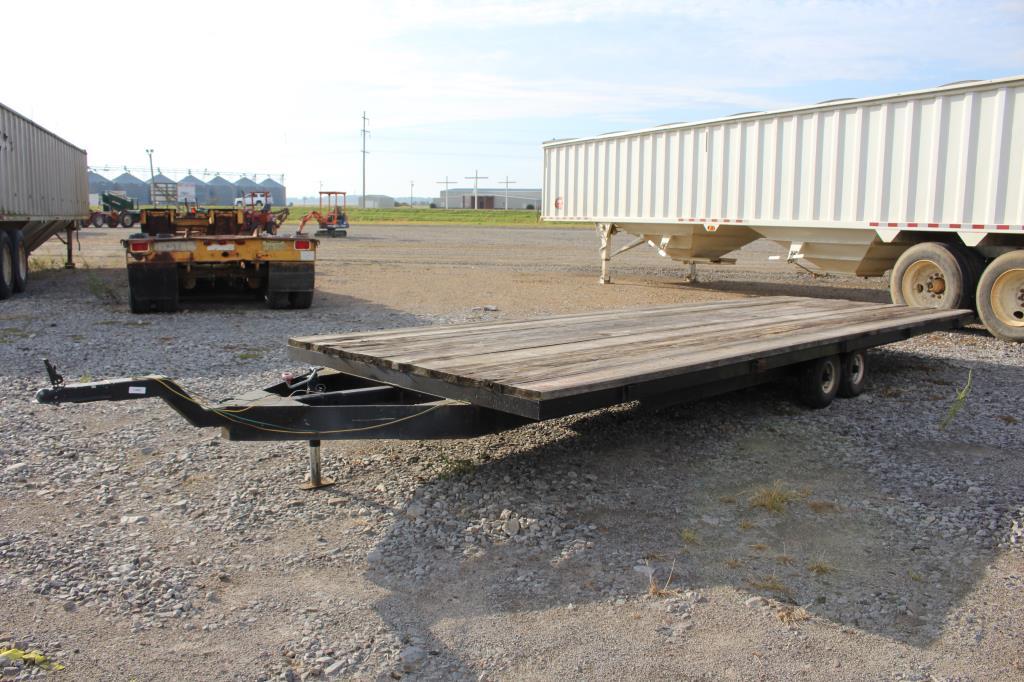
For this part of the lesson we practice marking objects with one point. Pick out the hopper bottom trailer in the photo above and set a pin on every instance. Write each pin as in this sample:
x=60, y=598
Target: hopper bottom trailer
x=44, y=191
x=461, y=381
x=926, y=185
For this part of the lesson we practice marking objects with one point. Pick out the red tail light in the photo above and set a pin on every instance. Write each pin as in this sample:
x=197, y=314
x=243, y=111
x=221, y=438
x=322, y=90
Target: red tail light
x=303, y=244
x=138, y=247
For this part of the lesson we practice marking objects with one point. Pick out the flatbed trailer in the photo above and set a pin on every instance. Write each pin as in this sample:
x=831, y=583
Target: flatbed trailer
x=461, y=381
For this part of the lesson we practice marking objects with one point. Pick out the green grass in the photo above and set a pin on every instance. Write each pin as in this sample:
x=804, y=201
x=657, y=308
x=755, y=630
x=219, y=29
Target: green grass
x=435, y=216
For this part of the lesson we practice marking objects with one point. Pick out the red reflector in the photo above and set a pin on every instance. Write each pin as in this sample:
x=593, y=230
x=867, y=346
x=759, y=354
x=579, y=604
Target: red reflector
x=303, y=244
x=138, y=246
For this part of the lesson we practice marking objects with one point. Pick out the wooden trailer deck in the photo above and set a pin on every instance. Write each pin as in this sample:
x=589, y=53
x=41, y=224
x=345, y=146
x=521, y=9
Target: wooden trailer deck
x=553, y=366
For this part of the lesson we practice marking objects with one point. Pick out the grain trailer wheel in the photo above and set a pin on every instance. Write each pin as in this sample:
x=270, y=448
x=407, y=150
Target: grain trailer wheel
x=1001, y=296
x=931, y=275
x=818, y=381
x=20, y=261
x=127, y=220
x=97, y=220
x=6, y=265
x=854, y=369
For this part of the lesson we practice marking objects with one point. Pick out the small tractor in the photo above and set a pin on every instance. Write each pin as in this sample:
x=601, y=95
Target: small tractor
x=331, y=217
x=189, y=251
x=259, y=214
x=116, y=209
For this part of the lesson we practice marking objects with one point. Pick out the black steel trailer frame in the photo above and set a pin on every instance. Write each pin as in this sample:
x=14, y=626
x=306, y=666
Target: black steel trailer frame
x=335, y=404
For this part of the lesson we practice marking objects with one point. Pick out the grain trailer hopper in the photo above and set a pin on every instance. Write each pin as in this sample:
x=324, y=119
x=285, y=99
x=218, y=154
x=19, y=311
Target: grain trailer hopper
x=928, y=185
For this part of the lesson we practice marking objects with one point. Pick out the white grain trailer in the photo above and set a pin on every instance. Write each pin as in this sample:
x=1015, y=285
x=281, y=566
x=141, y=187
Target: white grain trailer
x=43, y=191
x=927, y=184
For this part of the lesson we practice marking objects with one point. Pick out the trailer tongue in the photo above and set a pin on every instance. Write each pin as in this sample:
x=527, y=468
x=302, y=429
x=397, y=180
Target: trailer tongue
x=461, y=381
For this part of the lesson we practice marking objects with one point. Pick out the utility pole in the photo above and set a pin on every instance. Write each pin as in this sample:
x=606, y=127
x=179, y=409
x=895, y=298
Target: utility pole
x=506, y=182
x=151, y=175
x=475, y=177
x=446, y=183
x=362, y=197
x=411, y=185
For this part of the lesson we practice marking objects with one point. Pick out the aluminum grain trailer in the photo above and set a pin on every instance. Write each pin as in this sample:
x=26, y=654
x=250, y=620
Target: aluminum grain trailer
x=460, y=381
x=43, y=191
x=928, y=185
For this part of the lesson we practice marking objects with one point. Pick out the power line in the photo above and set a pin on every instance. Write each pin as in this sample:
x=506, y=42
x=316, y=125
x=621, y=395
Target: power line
x=506, y=182
x=362, y=198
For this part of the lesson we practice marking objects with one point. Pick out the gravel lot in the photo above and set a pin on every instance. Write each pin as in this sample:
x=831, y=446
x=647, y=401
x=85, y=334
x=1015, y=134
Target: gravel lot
x=617, y=544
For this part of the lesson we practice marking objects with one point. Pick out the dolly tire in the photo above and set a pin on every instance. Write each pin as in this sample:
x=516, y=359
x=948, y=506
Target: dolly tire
x=854, y=366
x=818, y=381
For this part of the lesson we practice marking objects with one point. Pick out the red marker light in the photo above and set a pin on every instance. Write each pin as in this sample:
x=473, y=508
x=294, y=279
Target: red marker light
x=137, y=247
x=303, y=244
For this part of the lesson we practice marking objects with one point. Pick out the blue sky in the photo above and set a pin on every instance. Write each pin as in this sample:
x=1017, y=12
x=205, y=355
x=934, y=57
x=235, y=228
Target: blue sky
x=452, y=87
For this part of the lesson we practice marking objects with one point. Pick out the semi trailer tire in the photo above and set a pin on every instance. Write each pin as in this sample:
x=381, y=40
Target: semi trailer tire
x=301, y=299
x=6, y=265
x=277, y=300
x=933, y=275
x=818, y=381
x=854, y=369
x=1001, y=297
x=20, y=261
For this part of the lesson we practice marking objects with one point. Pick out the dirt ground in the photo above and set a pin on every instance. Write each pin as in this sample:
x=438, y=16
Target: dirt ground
x=641, y=545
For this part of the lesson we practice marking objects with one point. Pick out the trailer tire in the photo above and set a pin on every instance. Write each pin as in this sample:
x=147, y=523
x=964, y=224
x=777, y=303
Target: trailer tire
x=932, y=275
x=818, y=381
x=138, y=306
x=854, y=367
x=97, y=220
x=277, y=300
x=127, y=220
x=1001, y=297
x=301, y=299
x=6, y=265
x=20, y=261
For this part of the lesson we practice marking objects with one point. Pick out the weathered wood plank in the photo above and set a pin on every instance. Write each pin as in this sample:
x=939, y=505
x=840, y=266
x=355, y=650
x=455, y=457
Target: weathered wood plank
x=547, y=359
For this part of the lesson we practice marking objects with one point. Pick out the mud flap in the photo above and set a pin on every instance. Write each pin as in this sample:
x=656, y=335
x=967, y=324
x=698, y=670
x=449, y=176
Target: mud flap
x=289, y=277
x=153, y=284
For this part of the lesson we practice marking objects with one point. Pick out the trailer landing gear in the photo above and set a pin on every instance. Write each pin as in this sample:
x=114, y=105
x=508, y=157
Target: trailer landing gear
x=316, y=480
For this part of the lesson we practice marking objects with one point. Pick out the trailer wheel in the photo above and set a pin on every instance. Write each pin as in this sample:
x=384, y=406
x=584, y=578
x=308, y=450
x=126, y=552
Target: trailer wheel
x=931, y=275
x=277, y=300
x=97, y=220
x=20, y=261
x=854, y=366
x=301, y=299
x=6, y=265
x=138, y=306
x=1001, y=296
x=127, y=220
x=819, y=381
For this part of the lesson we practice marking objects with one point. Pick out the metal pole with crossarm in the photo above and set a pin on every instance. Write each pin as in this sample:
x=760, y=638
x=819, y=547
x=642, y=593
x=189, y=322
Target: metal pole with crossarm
x=475, y=177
